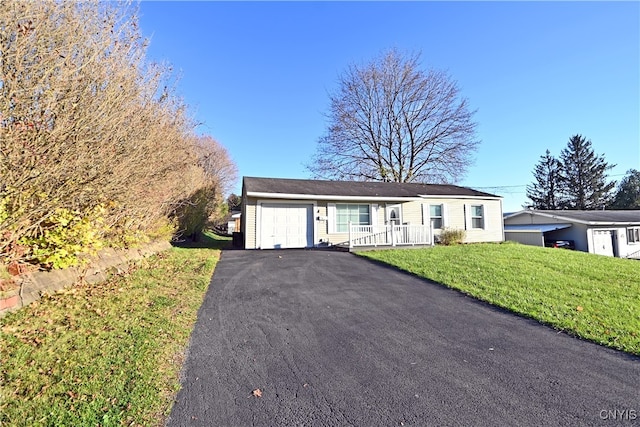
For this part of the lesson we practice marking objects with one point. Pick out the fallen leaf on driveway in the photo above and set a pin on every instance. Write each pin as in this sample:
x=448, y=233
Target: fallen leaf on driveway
x=257, y=393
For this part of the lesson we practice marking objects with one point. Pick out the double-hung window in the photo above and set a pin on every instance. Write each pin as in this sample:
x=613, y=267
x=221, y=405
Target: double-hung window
x=351, y=213
x=477, y=216
x=435, y=215
x=633, y=235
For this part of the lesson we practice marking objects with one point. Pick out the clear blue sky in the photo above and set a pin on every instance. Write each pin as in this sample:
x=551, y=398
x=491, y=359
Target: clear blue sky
x=257, y=75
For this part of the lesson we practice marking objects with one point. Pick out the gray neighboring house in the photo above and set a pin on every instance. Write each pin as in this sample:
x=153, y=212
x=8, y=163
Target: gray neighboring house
x=606, y=232
x=301, y=213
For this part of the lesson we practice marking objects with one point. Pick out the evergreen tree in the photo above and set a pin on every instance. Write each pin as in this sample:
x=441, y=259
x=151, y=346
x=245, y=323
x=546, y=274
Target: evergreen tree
x=544, y=192
x=584, y=176
x=234, y=201
x=628, y=194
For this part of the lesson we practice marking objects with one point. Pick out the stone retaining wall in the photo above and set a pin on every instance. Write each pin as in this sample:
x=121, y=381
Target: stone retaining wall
x=32, y=285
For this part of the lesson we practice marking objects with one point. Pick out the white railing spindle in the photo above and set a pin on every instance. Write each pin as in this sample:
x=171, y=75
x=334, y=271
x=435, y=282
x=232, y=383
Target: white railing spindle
x=389, y=235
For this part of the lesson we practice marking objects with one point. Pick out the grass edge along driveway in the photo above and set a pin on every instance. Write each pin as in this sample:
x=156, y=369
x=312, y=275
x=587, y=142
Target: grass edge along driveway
x=589, y=296
x=105, y=354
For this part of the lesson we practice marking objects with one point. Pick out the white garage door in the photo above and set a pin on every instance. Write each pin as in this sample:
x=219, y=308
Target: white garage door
x=603, y=242
x=286, y=226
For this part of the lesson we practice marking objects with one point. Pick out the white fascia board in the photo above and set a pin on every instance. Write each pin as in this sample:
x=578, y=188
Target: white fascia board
x=515, y=214
x=563, y=218
x=577, y=221
x=326, y=197
x=613, y=224
x=430, y=196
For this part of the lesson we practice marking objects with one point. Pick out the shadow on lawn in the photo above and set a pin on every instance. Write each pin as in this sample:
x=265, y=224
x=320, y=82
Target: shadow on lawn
x=208, y=240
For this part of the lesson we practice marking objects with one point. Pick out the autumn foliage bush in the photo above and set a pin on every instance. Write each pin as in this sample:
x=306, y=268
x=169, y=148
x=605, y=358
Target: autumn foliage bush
x=451, y=236
x=96, y=148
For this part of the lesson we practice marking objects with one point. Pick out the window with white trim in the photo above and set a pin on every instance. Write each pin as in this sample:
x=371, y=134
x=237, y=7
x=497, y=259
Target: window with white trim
x=435, y=215
x=477, y=216
x=356, y=214
x=633, y=235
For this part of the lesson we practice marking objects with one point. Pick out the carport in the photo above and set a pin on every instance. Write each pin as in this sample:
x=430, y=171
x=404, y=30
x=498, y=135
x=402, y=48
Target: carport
x=531, y=234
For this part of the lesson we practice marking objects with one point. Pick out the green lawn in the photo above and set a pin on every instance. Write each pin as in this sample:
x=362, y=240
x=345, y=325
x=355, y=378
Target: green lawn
x=591, y=296
x=107, y=354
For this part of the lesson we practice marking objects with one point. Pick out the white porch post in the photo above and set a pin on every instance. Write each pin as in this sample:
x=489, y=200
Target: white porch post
x=393, y=237
x=433, y=241
x=350, y=239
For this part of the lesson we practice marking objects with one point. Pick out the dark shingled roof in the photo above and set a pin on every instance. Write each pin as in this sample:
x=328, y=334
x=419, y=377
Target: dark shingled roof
x=596, y=216
x=355, y=188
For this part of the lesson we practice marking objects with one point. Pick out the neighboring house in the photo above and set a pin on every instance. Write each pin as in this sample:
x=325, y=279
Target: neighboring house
x=298, y=213
x=233, y=224
x=612, y=233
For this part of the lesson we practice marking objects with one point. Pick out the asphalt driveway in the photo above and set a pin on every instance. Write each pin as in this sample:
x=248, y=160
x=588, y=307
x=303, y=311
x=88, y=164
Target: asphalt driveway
x=331, y=339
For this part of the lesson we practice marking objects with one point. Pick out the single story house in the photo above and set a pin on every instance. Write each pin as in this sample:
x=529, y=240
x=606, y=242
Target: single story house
x=603, y=232
x=299, y=213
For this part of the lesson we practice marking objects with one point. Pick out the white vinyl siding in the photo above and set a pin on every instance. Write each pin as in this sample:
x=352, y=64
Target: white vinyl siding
x=413, y=212
x=248, y=224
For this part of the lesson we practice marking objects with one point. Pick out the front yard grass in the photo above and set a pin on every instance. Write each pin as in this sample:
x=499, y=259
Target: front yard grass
x=105, y=354
x=590, y=296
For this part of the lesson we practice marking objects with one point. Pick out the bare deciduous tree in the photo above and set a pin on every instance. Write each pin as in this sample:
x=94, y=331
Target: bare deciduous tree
x=216, y=163
x=207, y=203
x=391, y=121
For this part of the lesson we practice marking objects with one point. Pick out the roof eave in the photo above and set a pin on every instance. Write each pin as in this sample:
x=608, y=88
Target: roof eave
x=288, y=196
x=574, y=220
x=614, y=223
x=455, y=196
x=293, y=196
x=546, y=215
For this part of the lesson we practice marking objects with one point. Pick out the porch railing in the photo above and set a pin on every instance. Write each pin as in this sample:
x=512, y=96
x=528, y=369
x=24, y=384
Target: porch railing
x=389, y=235
x=634, y=255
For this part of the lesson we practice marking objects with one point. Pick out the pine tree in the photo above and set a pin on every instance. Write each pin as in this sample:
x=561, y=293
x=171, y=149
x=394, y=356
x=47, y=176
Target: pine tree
x=628, y=194
x=544, y=193
x=584, y=176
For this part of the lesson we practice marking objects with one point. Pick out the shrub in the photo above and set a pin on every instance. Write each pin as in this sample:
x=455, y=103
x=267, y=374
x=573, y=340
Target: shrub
x=194, y=212
x=65, y=237
x=87, y=121
x=452, y=236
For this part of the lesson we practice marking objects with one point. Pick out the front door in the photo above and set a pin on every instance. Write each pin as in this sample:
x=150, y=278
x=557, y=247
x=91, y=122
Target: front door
x=394, y=215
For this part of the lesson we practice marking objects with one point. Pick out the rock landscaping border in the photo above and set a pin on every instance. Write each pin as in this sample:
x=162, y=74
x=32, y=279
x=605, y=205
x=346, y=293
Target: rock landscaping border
x=32, y=285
